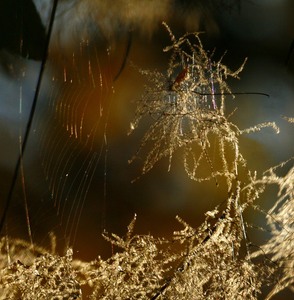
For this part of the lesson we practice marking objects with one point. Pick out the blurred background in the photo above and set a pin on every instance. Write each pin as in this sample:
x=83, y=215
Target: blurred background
x=76, y=180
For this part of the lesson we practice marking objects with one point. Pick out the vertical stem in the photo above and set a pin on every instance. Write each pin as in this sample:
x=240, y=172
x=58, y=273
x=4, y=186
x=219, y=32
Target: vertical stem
x=30, y=120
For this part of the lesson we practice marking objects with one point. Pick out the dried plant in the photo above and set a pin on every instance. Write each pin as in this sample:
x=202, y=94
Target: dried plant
x=212, y=265
x=280, y=218
x=187, y=108
x=134, y=272
x=48, y=277
x=207, y=262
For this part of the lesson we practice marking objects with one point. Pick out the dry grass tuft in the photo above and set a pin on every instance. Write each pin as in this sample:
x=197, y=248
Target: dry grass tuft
x=187, y=111
x=47, y=277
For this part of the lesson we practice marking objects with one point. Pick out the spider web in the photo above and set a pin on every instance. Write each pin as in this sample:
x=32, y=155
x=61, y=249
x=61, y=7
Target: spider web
x=68, y=137
x=72, y=148
x=70, y=177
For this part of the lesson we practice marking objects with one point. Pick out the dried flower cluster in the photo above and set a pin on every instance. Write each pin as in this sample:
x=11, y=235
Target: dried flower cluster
x=48, y=277
x=207, y=267
x=187, y=107
x=208, y=262
x=280, y=218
